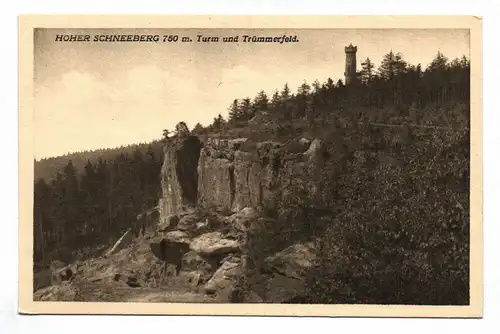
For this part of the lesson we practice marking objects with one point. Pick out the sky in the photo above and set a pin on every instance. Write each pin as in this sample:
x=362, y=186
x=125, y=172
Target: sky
x=91, y=95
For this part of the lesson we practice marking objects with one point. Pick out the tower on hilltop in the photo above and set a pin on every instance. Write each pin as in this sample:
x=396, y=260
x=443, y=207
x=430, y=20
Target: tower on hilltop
x=350, y=63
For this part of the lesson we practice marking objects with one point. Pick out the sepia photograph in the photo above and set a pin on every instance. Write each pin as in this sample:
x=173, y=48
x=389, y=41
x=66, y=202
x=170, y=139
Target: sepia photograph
x=286, y=166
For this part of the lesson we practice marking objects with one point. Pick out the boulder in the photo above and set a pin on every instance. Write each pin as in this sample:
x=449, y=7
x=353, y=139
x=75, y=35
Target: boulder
x=200, y=268
x=224, y=276
x=293, y=261
x=242, y=220
x=177, y=236
x=169, y=223
x=305, y=141
x=213, y=243
x=188, y=222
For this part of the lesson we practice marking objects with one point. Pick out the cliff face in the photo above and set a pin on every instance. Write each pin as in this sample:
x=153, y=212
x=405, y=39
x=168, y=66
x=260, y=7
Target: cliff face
x=234, y=174
x=179, y=176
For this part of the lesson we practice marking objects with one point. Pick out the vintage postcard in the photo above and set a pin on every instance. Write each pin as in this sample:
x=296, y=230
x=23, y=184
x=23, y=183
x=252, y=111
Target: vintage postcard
x=251, y=165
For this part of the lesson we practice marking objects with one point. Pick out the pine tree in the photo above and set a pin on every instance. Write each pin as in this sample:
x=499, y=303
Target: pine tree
x=218, y=122
x=246, y=109
x=329, y=85
x=400, y=65
x=303, y=99
x=198, y=129
x=276, y=100
x=234, y=111
x=285, y=93
x=367, y=71
x=304, y=89
x=440, y=62
x=261, y=101
x=386, y=69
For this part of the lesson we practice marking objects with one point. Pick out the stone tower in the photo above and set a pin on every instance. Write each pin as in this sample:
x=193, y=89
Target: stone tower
x=350, y=63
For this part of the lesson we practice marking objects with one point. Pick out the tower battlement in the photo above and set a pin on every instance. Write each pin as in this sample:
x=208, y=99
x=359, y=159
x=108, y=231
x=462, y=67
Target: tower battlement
x=351, y=49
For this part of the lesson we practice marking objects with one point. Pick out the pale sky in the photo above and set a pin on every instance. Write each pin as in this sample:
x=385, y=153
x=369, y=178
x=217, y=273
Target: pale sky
x=99, y=95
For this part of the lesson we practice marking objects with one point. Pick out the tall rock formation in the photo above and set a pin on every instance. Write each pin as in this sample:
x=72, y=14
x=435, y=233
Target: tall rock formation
x=233, y=174
x=179, y=175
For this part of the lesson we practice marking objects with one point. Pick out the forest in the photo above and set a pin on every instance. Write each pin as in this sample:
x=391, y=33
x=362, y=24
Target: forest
x=398, y=147
x=81, y=208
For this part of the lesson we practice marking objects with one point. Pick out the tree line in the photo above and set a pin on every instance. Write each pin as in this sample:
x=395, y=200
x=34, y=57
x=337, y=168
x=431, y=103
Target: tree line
x=47, y=168
x=395, y=83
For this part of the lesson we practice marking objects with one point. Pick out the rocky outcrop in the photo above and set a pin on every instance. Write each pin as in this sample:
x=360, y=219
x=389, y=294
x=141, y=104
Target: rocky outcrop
x=234, y=174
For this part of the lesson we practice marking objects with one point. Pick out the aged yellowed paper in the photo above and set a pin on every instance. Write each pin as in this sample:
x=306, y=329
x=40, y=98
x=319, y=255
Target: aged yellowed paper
x=251, y=165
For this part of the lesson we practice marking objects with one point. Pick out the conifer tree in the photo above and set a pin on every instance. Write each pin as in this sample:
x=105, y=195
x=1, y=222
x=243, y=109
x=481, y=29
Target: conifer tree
x=261, y=101
x=234, y=111
x=285, y=93
x=246, y=109
x=275, y=100
x=367, y=71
